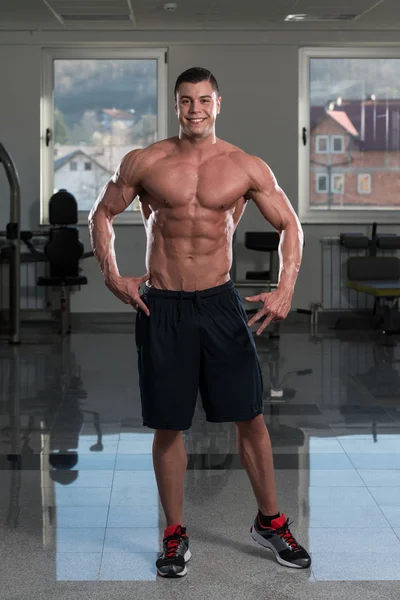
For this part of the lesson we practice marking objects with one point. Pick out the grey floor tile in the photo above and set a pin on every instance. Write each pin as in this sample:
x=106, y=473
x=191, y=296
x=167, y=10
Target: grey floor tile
x=352, y=566
x=78, y=566
x=360, y=539
x=337, y=462
x=383, y=445
x=386, y=496
x=134, y=479
x=380, y=477
x=340, y=496
x=392, y=513
x=142, y=516
x=322, y=445
x=95, y=478
x=129, y=567
x=334, y=478
x=89, y=516
x=95, y=461
x=134, y=462
x=80, y=540
x=142, y=445
x=375, y=461
x=78, y=496
x=146, y=495
x=335, y=516
x=134, y=539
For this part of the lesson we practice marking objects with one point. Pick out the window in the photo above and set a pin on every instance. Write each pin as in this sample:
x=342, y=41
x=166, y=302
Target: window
x=322, y=144
x=322, y=184
x=337, y=144
x=99, y=105
x=337, y=183
x=350, y=96
x=364, y=183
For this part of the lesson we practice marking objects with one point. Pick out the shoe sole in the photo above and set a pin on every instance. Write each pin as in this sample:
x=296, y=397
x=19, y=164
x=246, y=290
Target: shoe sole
x=171, y=573
x=263, y=542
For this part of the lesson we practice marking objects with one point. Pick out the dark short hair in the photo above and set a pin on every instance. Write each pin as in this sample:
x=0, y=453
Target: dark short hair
x=195, y=75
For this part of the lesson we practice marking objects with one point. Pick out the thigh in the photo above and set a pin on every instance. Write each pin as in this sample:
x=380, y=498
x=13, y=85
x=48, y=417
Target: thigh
x=230, y=380
x=169, y=365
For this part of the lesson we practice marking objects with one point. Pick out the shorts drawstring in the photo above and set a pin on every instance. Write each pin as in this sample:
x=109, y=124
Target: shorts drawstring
x=197, y=300
x=180, y=306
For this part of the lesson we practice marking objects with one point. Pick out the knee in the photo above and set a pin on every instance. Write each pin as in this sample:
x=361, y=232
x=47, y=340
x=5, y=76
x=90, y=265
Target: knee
x=251, y=428
x=166, y=437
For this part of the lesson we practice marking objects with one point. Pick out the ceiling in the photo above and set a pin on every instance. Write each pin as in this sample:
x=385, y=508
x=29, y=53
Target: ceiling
x=190, y=14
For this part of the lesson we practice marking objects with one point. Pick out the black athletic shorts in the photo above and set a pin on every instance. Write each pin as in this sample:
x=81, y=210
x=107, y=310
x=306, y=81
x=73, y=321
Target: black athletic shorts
x=196, y=341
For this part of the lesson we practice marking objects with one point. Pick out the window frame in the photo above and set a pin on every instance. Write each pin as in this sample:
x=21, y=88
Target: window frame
x=84, y=52
x=316, y=214
x=318, y=138
x=317, y=187
x=337, y=137
x=359, y=175
x=333, y=175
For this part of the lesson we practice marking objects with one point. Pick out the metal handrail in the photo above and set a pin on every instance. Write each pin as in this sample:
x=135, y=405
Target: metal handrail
x=13, y=232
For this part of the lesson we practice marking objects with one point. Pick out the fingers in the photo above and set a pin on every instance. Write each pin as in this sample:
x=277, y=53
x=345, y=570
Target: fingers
x=144, y=277
x=140, y=304
x=265, y=324
x=257, y=317
x=253, y=298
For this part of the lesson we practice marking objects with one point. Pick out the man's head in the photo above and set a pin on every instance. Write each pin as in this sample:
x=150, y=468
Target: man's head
x=197, y=102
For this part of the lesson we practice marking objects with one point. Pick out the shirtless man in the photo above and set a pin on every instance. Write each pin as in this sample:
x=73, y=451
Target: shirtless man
x=191, y=328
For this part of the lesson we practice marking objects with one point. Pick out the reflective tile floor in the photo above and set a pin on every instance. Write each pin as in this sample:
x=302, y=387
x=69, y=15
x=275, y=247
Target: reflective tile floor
x=79, y=510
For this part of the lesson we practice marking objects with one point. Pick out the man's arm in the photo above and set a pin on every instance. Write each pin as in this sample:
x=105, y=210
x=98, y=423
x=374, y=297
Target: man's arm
x=116, y=196
x=277, y=210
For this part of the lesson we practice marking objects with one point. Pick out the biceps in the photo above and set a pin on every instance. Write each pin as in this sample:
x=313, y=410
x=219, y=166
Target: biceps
x=275, y=208
x=115, y=197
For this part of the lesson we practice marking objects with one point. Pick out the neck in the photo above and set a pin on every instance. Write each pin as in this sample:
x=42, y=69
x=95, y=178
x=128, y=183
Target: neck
x=196, y=143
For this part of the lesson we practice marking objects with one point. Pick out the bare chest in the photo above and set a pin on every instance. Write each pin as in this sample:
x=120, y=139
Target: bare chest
x=216, y=184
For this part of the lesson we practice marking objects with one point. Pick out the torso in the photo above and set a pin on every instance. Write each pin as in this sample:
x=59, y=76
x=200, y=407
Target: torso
x=191, y=209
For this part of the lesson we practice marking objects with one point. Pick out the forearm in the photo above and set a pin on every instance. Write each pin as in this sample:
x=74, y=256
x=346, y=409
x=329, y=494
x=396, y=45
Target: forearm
x=102, y=238
x=290, y=255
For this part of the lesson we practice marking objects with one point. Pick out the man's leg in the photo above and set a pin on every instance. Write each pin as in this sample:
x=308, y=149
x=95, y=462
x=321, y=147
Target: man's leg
x=170, y=463
x=254, y=449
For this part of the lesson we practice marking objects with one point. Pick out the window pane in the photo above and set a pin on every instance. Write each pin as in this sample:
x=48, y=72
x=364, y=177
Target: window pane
x=322, y=144
x=322, y=183
x=338, y=144
x=357, y=100
x=103, y=109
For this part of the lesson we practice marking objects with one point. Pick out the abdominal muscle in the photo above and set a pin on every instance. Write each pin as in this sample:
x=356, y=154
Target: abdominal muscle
x=188, y=255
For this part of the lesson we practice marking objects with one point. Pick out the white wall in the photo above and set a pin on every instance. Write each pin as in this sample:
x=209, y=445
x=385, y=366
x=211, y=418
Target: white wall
x=258, y=77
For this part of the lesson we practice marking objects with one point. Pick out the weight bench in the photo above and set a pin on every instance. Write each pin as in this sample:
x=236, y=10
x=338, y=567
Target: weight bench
x=378, y=276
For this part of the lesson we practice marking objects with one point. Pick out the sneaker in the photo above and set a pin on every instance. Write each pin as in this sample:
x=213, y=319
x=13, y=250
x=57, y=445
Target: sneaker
x=279, y=539
x=172, y=561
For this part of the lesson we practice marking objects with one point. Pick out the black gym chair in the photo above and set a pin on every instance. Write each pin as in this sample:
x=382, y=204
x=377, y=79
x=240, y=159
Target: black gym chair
x=64, y=251
x=268, y=242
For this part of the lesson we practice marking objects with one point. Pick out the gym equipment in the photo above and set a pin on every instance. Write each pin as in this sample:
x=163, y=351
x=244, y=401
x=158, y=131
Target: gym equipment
x=268, y=241
x=13, y=237
x=377, y=276
x=63, y=251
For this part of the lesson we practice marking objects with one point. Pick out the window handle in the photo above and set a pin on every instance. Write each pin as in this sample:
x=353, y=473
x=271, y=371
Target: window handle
x=304, y=136
x=48, y=136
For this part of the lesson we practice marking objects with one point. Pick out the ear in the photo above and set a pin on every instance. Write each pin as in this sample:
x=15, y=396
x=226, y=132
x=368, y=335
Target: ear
x=219, y=105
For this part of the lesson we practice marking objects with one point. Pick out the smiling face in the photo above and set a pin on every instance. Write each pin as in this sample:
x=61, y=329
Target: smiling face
x=197, y=106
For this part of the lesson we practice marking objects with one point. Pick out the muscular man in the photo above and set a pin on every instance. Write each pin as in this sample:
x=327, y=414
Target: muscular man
x=191, y=328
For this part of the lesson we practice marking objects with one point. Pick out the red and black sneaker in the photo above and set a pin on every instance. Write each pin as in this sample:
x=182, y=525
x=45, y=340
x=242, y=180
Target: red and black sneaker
x=279, y=539
x=172, y=561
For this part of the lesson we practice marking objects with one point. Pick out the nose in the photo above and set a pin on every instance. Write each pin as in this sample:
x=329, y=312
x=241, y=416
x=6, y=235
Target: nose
x=195, y=106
